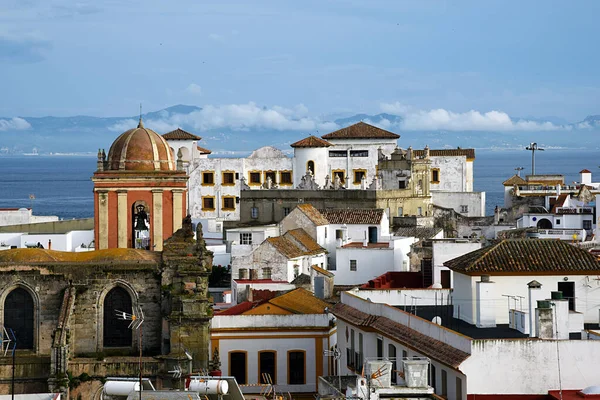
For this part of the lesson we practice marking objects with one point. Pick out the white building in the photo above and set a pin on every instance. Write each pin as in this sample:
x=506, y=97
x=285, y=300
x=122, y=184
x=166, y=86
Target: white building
x=291, y=355
x=444, y=250
x=22, y=216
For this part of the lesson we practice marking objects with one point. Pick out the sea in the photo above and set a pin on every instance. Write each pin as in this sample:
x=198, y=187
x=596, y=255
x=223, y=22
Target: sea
x=61, y=185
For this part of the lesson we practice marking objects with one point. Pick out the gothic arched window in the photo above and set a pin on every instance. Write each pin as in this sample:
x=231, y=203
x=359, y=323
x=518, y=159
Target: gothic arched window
x=116, y=331
x=18, y=316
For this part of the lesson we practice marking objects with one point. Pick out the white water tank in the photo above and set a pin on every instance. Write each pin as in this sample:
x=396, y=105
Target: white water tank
x=120, y=388
x=213, y=386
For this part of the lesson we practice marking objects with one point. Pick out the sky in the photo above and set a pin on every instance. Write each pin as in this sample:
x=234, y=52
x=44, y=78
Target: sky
x=438, y=63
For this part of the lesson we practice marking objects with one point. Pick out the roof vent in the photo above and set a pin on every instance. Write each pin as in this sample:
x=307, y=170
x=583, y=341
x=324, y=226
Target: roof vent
x=485, y=278
x=556, y=295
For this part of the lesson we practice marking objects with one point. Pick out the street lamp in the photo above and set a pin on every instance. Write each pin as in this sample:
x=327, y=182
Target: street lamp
x=533, y=147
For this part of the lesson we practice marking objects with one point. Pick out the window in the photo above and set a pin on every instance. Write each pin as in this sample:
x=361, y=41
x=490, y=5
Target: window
x=338, y=153
x=228, y=178
x=228, y=203
x=325, y=232
x=208, y=203
x=330, y=265
x=558, y=221
x=444, y=383
x=359, y=174
x=339, y=173
x=404, y=354
x=208, y=178
x=392, y=357
x=379, y=347
x=237, y=366
x=339, y=234
x=296, y=270
x=266, y=273
x=433, y=378
x=254, y=212
x=267, y=367
x=435, y=175
x=18, y=316
x=286, y=211
x=310, y=166
x=272, y=175
x=254, y=178
x=464, y=209
x=458, y=389
x=359, y=153
x=400, y=211
x=296, y=368
x=587, y=225
x=419, y=211
x=402, y=184
x=116, y=331
x=285, y=178
x=246, y=238
x=243, y=273
x=352, y=265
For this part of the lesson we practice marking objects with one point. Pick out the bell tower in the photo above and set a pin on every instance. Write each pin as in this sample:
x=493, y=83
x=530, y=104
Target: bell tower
x=139, y=195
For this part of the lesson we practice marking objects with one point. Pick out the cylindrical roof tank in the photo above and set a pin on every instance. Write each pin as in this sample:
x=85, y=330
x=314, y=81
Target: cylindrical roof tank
x=213, y=386
x=120, y=388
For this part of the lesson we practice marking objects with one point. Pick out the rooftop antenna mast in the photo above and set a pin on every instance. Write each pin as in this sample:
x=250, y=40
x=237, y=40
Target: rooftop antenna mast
x=533, y=147
x=519, y=169
x=137, y=319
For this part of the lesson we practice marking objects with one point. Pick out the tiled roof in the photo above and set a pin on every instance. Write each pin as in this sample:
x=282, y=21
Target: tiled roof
x=526, y=257
x=311, y=141
x=514, y=180
x=424, y=344
x=559, y=202
x=202, y=150
x=585, y=171
x=313, y=214
x=300, y=301
x=469, y=153
x=285, y=247
x=352, y=216
x=360, y=245
x=361, y=130
x=417, y=232
x=310, y=244
x=322, y=271
x=180, y=134
x=241, y=308
x=36, y=255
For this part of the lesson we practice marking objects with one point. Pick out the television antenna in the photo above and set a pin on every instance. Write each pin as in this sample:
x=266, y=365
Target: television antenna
x=337, y=356
x=519, y=169
x=137, y=319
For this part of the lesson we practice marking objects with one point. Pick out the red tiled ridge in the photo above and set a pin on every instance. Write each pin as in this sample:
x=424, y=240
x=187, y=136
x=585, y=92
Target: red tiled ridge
x=514, y=180
x=180, y=134
x=352, y=216
x=424, y=344
x=313, y=214
x=585, y=171
x=304, y=240
x=311, y=141
x=469, y=153
x=361, y=130
x=202, y=150
x=526, y=257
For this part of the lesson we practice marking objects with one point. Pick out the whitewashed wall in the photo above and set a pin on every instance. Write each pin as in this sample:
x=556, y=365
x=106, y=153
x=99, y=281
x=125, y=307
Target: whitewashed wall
x=446, y=250
x=401, y=297
x=453, y=174
x=475, y=202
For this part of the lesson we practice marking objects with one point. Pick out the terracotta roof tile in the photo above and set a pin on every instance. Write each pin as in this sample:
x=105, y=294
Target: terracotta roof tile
x=305, y=240
x=180, y=134
x=202, y=150
x=417, y=232
x=361, y=130
x=360, y=245
x=241, y=308
x=311, y=141
x=514, y=180
x=300, y=301
x=469, y=153
x=322, y=271
x=585, y=171
x=285, y=247
x=559, y=202
x=526, y=257
x=424, y=344
x=313, y=214
x=352, y=216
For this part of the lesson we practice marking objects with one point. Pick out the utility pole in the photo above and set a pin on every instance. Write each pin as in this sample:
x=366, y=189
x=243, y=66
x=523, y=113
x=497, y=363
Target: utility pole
x=137, y=320
x=9, y=339
x=533, y=147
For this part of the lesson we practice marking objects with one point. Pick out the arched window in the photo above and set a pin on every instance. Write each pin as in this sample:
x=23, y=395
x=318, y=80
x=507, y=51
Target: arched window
x=116, y=331
x=141, y=225
x=18, y=316
x=310, y=166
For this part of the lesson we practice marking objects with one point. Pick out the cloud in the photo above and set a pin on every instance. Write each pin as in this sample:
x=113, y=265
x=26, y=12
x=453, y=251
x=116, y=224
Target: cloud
x=14, y=124
x=194, y=89
x=23, y=49
x=441, y=119
x=237, y=117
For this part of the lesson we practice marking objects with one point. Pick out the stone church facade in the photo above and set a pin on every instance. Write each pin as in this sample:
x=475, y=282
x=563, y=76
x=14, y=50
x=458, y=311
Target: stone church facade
x=63, y=307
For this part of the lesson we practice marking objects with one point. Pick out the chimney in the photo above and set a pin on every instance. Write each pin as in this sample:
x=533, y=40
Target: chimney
x=486, y=313
x=561, y=315
x=496, y=215
x=585, y=177
x=49, y=244
x=365, y=240
x=558, y=188
x=534, y=291
x=416, y=373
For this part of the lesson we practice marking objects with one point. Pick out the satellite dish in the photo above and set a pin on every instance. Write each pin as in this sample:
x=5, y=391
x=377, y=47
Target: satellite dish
x=437, y=320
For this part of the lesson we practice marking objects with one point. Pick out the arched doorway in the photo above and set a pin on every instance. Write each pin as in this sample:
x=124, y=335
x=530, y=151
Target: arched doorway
x=116, y=331
x=544, y=224
x=19, y=316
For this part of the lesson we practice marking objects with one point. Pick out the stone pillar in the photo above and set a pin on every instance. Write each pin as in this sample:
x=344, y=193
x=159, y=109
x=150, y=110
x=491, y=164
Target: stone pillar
x=177, y=209
x=157, y=221
x=122, y=220
x=102, y=220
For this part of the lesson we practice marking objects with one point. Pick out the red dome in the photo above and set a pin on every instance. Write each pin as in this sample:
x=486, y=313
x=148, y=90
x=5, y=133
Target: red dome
x=140, y=149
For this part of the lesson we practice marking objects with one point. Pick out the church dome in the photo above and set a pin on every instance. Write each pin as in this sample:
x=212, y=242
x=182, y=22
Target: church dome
x=140, y=149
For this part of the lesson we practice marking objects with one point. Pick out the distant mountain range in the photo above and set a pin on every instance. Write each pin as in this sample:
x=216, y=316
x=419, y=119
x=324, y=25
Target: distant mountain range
x=87, y=134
